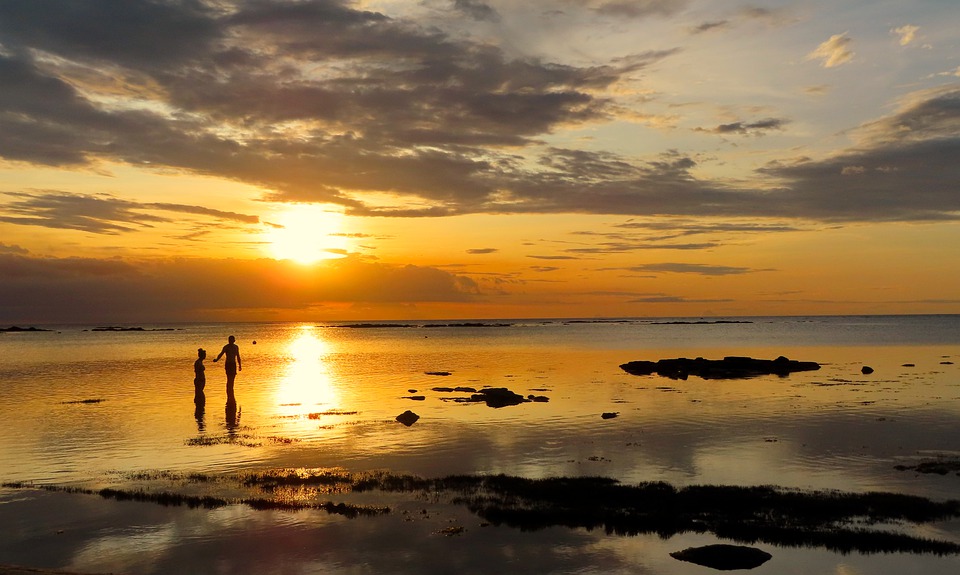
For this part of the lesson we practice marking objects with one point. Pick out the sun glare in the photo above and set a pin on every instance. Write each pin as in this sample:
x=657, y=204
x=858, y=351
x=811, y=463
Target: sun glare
x=306, y=381
x=307, y=234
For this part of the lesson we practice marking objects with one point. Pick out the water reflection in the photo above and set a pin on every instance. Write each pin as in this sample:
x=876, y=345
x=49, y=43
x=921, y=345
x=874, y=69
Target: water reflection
x=232, y=418
x=200, y=402
x=306, y=380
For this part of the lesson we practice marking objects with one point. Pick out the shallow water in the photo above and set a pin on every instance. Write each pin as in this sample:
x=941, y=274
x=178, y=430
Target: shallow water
x=88, y=408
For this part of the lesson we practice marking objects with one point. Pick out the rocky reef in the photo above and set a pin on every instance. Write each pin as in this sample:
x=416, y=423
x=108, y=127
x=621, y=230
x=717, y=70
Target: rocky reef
x=730, y=367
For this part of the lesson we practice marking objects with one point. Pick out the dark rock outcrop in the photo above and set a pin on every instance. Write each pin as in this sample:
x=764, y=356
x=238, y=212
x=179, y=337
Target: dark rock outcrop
x=408, y=418
x=498, y=397
x=724, y=557
x=866, y=370
x=731, y=367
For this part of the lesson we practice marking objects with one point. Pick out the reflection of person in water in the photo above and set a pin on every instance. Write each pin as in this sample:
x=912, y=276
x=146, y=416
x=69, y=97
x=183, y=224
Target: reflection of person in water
x=199, y=379
x=198, y=413
x=232, y=365
x=232, y=417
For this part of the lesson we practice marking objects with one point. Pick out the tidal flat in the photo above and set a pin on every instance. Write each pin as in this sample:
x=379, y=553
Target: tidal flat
x=827, y=470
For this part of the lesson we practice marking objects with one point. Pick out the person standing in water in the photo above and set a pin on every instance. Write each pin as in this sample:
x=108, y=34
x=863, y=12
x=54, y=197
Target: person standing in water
x=231, y=366
x=199, y=379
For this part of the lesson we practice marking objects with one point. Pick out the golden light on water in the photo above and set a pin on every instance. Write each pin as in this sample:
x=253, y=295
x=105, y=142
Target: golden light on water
x=307, y=234
x=306, y=380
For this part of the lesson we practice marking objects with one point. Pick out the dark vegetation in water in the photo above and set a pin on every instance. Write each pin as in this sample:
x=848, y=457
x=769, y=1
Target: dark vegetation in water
x=320, y=414
x=731, y=367
x=169, y=499
x=232, y=438
x=82, y=401
x=161, y=498
x=935, y=466
x=834, y=520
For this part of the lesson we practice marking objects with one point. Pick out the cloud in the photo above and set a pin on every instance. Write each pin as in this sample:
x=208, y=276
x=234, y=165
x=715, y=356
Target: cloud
x=481, y=251
x=687, y=268
x=101, y=214
x=320, y=101
x=12, y=249
x=180, y=28
x=833, y=52
x=818, y=90
x=903, y=168
x=640, y=8
x=399, y=109
x=907, y=34
x=477, y=9
x=748, y=128
x=710, y=26
x=674, y=299
x=687, y=228
x=91, y=290
x=617, y=247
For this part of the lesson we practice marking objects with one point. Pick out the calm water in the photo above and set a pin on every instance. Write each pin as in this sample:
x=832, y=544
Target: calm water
x=90, y=409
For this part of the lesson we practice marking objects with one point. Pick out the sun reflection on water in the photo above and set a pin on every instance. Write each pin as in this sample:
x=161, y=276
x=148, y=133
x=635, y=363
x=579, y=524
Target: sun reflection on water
x=306, y=381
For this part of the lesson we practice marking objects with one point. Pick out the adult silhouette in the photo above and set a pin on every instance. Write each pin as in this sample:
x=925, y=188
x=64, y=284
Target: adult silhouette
x=232, y=365
x=199, y=378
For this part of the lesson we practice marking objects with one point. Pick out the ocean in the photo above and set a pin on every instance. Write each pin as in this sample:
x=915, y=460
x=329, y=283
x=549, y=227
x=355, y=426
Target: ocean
x=92, y=408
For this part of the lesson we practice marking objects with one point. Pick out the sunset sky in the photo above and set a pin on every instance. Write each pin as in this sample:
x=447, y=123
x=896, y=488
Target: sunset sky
x=205, y=160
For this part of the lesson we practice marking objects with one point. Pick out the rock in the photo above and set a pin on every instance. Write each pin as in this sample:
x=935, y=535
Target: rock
x=731, y=367
x=909, y=365
x=866, y=370
x=415, y=397
x=498, y=397
x=724, y=557
x=408, y=418
x=609, y=414
x=438, y=373
x=492, y=396
x=442, y=389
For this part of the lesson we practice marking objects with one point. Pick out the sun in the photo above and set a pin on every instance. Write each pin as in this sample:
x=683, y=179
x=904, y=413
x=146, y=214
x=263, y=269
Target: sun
x=306, y=234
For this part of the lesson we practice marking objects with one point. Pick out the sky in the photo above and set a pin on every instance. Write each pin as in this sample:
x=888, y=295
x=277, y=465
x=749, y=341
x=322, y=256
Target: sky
x=312, y=160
